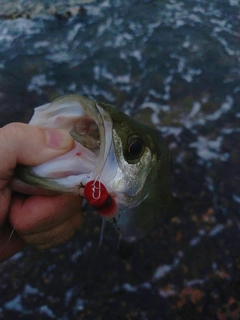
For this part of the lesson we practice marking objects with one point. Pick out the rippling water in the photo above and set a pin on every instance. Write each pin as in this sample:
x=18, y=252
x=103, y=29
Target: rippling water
x=176, y=66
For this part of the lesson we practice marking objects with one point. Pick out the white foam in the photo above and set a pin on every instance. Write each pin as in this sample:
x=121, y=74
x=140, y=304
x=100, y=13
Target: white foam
x=168, y=292
x=162, y=271
x=47, y=311
x=218, y=228
x=190, y=74
x=73, y=32
x=234, y=2
x=29, y=290
x=195, y=109
x=236, y=198
x=225, y=107
x=195, y=241
x=79, y=305
x=209, y=149
x=129, y=288
x=39, y=81
x=41, y=44
x=15, y=304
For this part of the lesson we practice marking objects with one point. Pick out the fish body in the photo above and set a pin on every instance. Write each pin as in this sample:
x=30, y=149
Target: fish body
x=124, y=165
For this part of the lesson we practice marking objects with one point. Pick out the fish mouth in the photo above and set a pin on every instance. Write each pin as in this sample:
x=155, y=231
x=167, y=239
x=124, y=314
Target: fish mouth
x=91, y=128
x=90, y=165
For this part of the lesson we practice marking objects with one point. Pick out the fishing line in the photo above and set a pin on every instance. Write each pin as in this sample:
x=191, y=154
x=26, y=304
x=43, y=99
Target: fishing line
x=101, y=233
x=11, y=234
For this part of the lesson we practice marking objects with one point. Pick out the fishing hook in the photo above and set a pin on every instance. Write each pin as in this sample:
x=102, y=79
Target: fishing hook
x=96, y=188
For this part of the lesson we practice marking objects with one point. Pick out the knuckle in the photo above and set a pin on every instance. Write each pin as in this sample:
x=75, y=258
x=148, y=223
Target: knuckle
x=13, y=129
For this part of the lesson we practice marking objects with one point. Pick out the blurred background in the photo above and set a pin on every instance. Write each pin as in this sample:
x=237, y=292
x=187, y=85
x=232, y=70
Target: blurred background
x=174, y=64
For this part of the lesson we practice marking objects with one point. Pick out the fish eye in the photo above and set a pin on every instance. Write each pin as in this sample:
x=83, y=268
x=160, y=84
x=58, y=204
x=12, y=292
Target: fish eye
x=135, y=148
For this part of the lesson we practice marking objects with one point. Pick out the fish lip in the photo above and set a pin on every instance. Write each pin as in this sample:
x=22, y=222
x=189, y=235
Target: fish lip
x=104, y=123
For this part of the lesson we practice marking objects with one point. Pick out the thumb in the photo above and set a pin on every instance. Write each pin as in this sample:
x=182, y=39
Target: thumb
x=30, y=145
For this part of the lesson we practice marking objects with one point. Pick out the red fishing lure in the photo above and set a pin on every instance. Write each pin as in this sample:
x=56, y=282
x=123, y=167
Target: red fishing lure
x=98, y=197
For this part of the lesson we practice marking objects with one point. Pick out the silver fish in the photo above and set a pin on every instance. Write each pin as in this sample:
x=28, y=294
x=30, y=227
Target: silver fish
x=122, y=167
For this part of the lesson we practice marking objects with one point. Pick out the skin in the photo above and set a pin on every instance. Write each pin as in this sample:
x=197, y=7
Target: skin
x=40, y=218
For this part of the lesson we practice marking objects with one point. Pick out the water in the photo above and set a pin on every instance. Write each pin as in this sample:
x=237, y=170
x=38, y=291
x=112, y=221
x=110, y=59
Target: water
x=175, y=65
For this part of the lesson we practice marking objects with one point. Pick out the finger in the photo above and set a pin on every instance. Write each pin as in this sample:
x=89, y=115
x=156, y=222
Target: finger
x=30, y=145
x=5, y=198
x=55, y=236
x=34, y=214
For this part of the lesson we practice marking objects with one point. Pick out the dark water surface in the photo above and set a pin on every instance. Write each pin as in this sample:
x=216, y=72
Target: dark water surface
x=175, y=65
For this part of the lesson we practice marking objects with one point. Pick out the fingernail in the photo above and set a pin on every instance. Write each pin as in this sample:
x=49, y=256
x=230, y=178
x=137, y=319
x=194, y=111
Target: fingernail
x=58, y=138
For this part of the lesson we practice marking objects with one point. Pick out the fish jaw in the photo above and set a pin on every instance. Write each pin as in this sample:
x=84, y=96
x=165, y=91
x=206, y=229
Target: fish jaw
x=66, y=173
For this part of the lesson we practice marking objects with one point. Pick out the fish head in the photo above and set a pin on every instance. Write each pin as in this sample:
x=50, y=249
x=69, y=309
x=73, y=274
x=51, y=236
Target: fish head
x=140, y=157
x=142, y=182
x=124, y=165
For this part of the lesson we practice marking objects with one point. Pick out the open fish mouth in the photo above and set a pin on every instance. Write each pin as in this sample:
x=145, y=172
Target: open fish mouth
x=121, y=167
x=91, y=128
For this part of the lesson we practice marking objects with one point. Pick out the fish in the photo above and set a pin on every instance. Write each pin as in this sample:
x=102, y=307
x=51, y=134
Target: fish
x=121, y=167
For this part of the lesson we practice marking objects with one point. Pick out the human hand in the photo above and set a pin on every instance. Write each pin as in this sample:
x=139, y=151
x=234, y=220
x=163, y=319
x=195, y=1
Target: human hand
x=39, y=218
